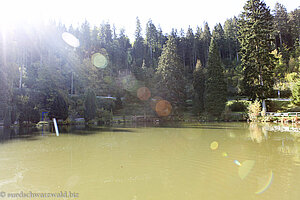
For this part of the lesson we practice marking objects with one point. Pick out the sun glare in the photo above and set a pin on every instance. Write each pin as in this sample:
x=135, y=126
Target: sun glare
x=17, y=12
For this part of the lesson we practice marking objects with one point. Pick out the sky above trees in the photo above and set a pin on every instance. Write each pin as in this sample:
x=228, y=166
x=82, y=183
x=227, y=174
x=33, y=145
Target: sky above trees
x=168, y=14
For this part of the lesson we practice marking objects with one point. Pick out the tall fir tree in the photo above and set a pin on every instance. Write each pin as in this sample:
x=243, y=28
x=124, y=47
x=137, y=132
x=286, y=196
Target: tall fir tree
x=282, y=27
x=170, y=72
x=230, y=32
x=219, y=37
x=216, y=88
x=138, y=49
x=283, y=36
x=190, y=50
x=255, y=36
x=205, y=40
x=199, y=87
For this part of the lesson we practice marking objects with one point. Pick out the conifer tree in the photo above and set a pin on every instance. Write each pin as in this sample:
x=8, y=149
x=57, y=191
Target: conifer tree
x=255, y=36
x=138, y=45
x=230, y=32
x=215, y=85
x=199, y=87
x=205, y=40
x=170, y=72
x=219, y=37
x=282, y=27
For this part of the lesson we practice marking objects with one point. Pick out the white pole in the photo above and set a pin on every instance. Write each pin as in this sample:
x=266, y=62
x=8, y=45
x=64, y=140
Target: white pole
x=55, y=126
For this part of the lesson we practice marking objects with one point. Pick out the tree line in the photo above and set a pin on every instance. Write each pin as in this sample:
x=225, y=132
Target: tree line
x=249, y=55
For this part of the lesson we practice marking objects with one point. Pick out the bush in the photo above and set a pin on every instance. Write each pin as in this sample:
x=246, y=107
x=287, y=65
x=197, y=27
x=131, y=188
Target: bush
x=104, y=115
x=253, y=110
x=275, y=106
x=106, y=104
x=238, y=106
x=296, y=93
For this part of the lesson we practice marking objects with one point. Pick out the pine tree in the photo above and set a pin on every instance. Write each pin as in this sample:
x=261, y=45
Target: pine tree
x=281, y=25
x=205, y=40
x=170, y=72
x=90, y=107
x=85, y=38
x=199, y=87
x=230, y=32
x=151, y=41
x=138, y=45
x=219, y=36
x=215, y=85
x=190, y=50
x=255, y=36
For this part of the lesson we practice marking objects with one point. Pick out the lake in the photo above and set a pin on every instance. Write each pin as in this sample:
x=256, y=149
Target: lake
x=176, y=162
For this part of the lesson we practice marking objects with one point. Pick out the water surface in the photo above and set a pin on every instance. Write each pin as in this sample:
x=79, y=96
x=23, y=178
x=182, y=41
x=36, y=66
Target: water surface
x=189, y=161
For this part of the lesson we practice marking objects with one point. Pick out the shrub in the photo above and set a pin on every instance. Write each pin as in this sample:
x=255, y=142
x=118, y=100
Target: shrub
x=238, y=106
x=253, y=110
x=104, y=115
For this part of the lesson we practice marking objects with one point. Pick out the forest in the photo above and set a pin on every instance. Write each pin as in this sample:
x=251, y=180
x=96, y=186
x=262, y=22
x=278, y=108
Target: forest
x=255, y=55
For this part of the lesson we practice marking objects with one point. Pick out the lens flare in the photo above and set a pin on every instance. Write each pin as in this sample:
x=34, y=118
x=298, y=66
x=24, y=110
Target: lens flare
x=99, y=60
x=130, y=84
x=237, y=162
x=246, y=168
x=224, y=154
x=70, y=39
x=154, y=101
x=143, y=93
x=214, y=145
x=163, y=108
x=267, y=184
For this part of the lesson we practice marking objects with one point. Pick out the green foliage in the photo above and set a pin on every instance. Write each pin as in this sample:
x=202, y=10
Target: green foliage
x=104, y=116
x=199, y=87
x=90, y=106
x=255, y=37
x=296, y=93
x=215, y=84
x=283, y=37
x=59, y=108
x=293, y=80
x=25, y=107
x=238, y=105
x=294, y=64
x=205, y=38
x=280, y=68
x=170, y=74
x=36, y=59
x=107, y=104
x=278, y=106
x=138, y=48
x=231, y=42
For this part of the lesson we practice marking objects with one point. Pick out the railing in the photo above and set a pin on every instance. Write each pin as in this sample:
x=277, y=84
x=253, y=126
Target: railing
x=285, y=114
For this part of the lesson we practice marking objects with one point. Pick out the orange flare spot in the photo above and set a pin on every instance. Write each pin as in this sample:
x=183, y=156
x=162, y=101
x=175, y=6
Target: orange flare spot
x=143, y=93
x=163, y=108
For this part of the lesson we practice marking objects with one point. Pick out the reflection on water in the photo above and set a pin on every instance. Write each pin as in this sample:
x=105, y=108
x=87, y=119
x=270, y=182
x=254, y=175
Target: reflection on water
x=191, y=161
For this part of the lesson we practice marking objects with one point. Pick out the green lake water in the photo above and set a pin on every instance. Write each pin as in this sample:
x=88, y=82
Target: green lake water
x=185, y=161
